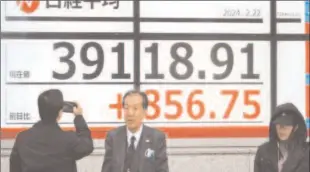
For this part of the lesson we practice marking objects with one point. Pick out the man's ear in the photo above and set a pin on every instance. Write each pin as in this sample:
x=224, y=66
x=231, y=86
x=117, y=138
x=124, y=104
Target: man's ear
x=144, y=112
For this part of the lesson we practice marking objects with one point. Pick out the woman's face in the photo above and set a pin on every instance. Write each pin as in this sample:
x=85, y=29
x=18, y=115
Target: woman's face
x=284, y=131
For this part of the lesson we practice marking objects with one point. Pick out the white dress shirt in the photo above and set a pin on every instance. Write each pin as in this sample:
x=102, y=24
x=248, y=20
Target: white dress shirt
x=136, y=134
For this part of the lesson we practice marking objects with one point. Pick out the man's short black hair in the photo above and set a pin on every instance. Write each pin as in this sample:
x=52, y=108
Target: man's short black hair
x=145, y=101
x=50, y=102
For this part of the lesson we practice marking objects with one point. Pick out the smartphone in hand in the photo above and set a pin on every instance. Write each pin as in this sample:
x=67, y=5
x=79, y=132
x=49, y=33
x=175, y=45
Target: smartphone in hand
x=68, y=106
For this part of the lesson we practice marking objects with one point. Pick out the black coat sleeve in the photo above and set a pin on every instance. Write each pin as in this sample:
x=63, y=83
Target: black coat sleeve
x=81, y=143
x=257, y=167
x=107, y=162
x=161, y=155
x=304, y=164
x=15, y=161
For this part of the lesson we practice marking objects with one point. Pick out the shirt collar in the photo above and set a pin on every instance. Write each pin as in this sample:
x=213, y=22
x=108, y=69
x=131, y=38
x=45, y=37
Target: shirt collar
x=136, y=134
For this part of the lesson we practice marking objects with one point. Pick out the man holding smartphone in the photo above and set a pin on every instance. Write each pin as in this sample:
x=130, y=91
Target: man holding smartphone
x=45, y=146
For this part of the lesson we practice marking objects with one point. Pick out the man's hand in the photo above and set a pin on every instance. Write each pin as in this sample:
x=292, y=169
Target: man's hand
x=77, y=110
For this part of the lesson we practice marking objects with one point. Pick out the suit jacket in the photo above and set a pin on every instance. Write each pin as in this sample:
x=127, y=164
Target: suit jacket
x=151, y=140
x=46, y=148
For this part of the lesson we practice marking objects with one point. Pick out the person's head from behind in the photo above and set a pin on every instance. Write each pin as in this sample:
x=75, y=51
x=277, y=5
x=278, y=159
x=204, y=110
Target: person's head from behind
x=285, y=126
x=50, y=104
x=135, y=105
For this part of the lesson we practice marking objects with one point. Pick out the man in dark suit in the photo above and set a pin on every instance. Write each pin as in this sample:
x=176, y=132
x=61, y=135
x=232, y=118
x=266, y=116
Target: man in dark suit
x=135, y=147
x=45, y=147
